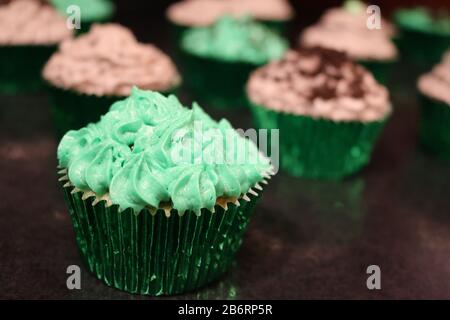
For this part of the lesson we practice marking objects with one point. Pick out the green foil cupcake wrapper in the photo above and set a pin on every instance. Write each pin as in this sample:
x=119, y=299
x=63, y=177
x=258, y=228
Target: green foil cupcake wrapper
x=435, y=127
x=317, y=148
x=381, y=70
x=21, y=67
x=421, y=49
x=153, y=254
x=71, y=110
x=216, y=83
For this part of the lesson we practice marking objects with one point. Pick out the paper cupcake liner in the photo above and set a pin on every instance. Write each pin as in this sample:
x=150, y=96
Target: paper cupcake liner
x=317, y=148
x=21, y=66
x=435, y=127
x=156, y=252
x=381, y=70
x=216, y=83
x=72, y=110
x=421, y=49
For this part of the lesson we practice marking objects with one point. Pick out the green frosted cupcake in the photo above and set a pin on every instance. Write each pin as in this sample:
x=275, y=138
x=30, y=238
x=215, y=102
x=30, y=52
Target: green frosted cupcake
x=345, y=29
x=184, y=15
x=425, y=35
x=434, y=88
x=329, y=111
x=217, y=60
x=92, y=11
x=90, y=72
x=30, y=31
x=160, y=195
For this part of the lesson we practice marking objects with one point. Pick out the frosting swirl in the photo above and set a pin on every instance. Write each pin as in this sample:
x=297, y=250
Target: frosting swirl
x=149, y=150
x=320, y=83
x=109, y=61
x=186, y=13
x=235, y=39
x=345, y=29
x=31, y=22
x=436, y=84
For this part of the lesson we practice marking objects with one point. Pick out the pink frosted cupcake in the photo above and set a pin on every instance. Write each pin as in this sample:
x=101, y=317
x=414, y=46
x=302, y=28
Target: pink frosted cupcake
x=87, y=74
x=30, y=31
x=434, y=88
x=345, y=29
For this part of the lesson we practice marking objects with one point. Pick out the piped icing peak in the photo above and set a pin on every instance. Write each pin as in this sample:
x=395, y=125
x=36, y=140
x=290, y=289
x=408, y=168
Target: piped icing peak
x=235, y=40
x=186, y=13
x=320, y=83
x=436, y=84
x=345, y=29
x=31, y=22
x=110, y=61
x=149, y=150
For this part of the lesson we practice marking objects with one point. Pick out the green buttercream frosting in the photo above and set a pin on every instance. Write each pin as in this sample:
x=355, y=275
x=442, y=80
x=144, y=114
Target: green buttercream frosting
x=150, y=149
x=354, y=6
x=235, y=40
x=91, y=10
x=424, y=20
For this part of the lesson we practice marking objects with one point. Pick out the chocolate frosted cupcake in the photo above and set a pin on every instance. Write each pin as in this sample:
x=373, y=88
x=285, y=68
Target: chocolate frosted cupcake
x=425, y=35
x=156, y=208
x=435, y=93
x=30, y=31
x=92, y=11
x=218, y=59
x=201, y=13
x=89, y=73
x=329, y=110
x=345, y=29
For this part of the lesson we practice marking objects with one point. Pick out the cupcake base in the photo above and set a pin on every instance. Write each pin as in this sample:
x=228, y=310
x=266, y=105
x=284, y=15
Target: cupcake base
x=316, y=148
x=21, y=67
x=156, y=254
x=434, y=127
x=216, y=83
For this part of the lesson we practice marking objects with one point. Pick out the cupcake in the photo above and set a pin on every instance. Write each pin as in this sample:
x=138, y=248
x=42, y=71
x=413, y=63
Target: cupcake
x=218, y=59
x=329, y=110
x=87, y=74
x=92, y=11
x=158, y=197
x=425, y=35
x=345, y=29
x=201, y=13
x=30, y=31
x=434, y=88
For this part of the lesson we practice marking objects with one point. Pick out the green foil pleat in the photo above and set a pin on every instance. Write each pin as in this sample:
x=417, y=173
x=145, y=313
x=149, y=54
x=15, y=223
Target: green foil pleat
x=316, y=148
x=72, y=110
x=21, y=68
x=421, y=49
x=380, y=70
x=216, y=83
x=154, y=254
x=435, y=127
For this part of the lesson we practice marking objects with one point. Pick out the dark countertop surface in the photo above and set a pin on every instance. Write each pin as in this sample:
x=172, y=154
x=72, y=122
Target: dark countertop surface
x=307, y=239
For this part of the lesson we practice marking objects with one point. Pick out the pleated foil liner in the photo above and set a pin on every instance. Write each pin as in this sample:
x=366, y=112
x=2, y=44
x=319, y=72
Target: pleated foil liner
x=157, y=253
x=317, y=148
x=435, y=127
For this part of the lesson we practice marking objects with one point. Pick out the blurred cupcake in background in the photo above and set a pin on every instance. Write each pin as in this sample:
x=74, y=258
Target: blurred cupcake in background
x=329, y=110
x=218, y=59
x=92, y=11
x=201, y=13
x=87, y=74
x=434, y=88
x=424, y=35
x=30, y=31
x=345, y=29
